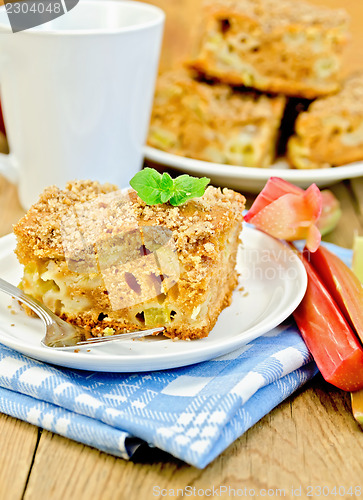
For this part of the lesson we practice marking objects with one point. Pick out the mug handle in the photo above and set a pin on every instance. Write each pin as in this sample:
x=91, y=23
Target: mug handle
x=8, y=168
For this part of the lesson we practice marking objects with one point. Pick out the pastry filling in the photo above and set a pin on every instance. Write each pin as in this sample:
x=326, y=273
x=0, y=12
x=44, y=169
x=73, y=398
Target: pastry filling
x=135, y=291
x=111, y=264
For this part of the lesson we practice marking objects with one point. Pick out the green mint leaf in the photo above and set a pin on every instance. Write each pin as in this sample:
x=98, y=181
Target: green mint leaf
x=187, y=187
x=147, y=184
x=166, y=187
x=154, y=188
x=167, y=182
x=165, y=196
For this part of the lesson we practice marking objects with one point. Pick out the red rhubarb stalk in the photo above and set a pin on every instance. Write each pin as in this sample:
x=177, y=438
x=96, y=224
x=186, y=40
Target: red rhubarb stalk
x=288, y=212
x=328, y=335
x=343, y=285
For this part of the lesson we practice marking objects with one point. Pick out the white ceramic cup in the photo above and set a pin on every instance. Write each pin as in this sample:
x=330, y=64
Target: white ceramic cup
x=77, y=93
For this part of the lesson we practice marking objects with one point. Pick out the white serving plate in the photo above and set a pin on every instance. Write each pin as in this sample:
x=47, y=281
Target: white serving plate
x=272, y=282
x=253, y=179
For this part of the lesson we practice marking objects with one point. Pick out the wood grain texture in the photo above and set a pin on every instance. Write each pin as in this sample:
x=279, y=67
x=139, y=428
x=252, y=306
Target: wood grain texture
x=18, y=441
x=310, y=439
x=304, y=442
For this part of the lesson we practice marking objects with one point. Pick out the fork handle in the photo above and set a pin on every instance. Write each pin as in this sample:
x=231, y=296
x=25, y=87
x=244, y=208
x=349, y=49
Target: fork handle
x=18, y=294
x=51, y=320
x=99, y=341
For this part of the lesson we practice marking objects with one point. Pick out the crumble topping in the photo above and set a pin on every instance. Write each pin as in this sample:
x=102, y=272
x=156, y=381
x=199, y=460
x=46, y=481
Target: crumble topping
x=102, y=211
x=275, y=13
x=349, y=99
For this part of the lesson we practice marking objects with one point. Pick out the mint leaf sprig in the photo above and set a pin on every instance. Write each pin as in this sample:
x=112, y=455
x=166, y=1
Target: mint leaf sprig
x=154, y=188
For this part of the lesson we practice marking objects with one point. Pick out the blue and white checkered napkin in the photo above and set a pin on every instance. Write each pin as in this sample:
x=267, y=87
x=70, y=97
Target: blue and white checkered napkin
x=193, y=412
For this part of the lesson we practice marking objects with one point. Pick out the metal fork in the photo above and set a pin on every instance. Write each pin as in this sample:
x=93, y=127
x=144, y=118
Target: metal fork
x=62, y=335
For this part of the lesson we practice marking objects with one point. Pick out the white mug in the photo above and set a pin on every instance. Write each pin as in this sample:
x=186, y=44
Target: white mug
x=77, y=93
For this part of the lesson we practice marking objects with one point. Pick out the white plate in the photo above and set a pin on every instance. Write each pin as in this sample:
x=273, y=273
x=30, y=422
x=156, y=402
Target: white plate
x=273, y=281
x=253, y=179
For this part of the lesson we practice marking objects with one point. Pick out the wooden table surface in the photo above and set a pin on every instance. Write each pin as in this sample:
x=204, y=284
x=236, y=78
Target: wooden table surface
x=310, y=440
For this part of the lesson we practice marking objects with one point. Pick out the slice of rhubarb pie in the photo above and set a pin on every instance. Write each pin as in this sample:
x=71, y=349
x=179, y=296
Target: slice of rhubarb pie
x=103, y=259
